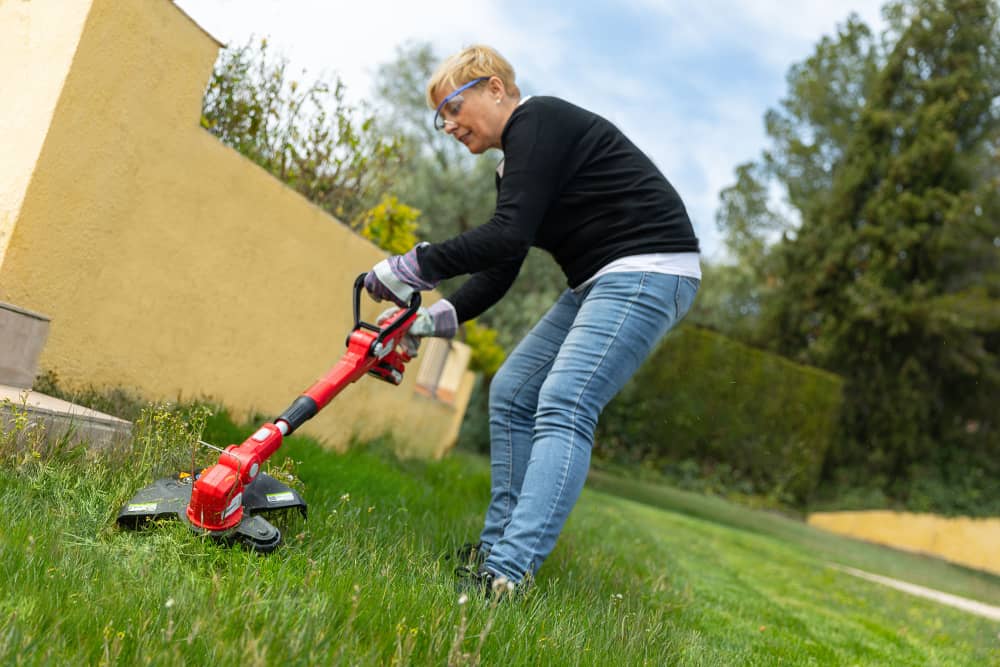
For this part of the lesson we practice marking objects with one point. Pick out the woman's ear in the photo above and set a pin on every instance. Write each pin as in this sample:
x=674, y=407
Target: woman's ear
x=496, y=87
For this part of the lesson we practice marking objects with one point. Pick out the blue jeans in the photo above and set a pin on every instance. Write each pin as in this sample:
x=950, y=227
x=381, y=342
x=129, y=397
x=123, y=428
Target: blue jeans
x=545, y=400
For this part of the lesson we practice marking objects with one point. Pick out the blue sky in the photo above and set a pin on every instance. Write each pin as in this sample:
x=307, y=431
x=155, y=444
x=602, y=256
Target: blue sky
x=689, y=82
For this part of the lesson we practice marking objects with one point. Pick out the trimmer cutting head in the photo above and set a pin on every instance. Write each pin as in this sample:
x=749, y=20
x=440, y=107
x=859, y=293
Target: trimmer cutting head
x=169, y=498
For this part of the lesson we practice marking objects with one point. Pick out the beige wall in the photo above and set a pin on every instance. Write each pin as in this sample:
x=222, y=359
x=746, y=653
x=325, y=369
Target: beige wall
x=971, y=542
x=168, y=262
x=37, y=43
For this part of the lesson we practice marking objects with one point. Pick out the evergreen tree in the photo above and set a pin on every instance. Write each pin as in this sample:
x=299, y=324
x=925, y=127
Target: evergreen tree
x=892, y=278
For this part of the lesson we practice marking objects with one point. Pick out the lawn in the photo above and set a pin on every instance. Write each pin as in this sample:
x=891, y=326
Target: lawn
x=673, y=579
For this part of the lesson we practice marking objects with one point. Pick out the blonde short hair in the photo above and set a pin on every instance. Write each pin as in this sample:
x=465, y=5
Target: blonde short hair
x=471, y=63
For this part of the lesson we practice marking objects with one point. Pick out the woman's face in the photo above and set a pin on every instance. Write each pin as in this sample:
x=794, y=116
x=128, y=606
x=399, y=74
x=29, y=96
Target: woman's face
x=475, y=116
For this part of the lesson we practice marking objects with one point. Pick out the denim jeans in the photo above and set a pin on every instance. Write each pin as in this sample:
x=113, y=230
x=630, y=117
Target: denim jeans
x=546, y=398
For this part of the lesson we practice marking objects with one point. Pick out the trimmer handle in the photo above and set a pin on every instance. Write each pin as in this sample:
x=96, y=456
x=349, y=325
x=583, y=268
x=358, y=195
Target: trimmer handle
x=359, y=286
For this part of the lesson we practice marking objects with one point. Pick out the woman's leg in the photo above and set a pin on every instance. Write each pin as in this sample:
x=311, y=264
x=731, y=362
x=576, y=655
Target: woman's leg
x=513, y=400
x=620, y=319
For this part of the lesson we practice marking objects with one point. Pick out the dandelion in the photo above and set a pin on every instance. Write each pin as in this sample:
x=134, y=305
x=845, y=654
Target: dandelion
x=463, y=598
x=371, y=509
x=345, y=498
x=169, y=603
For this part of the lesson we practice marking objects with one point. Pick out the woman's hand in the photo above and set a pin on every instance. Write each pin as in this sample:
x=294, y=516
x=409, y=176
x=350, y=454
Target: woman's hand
x=438, y=321
x=396, y=278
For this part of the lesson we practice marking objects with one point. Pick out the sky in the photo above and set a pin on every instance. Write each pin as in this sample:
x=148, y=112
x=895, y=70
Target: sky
x=688, y=82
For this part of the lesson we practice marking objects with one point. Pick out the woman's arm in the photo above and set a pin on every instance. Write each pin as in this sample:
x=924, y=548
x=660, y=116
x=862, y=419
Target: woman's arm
x=484, y=289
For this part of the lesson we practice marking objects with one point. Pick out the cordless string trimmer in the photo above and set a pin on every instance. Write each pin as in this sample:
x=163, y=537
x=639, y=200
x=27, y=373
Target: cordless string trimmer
x=223, y=500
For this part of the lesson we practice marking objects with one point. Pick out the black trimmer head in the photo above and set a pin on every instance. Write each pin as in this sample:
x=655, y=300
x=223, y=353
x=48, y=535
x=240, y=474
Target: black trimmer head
x=168, y=499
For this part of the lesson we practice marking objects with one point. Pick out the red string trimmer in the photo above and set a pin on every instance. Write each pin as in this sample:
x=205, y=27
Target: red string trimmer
x=224, y=501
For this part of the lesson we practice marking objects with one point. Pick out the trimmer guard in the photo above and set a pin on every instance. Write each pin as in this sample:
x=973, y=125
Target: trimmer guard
x=168, y=499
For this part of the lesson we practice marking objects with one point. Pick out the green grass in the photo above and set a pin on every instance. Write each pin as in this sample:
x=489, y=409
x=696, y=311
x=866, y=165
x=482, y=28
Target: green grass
x=362, y=582
x=916, y=569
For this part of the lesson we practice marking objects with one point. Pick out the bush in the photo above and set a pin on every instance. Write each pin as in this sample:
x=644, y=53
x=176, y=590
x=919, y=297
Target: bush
x=487, y=354
x=390, y=225
x=764, y=420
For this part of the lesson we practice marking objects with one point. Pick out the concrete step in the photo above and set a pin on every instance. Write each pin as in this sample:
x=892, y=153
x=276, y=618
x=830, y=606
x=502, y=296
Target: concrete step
x=61, y=419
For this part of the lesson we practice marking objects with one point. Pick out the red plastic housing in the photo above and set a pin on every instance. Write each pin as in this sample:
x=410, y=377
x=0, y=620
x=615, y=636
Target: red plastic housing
x=216, y=499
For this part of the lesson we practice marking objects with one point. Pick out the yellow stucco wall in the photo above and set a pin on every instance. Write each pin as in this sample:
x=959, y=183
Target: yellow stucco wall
x=971, y=542
x=168, y=262
x=33, y=67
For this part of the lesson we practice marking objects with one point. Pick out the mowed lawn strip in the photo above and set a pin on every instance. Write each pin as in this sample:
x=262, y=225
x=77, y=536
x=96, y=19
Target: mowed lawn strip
x=913, y=568
x=363, y=581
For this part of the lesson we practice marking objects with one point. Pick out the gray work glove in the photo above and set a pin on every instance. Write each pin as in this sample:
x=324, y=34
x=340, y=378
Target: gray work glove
x=437, y=321
x=396, y=278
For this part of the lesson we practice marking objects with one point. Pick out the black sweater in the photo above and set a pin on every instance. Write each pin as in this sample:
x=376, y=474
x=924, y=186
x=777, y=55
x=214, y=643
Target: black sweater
x=574, y=186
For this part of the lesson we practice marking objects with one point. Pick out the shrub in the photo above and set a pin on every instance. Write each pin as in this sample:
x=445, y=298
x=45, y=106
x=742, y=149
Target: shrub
x=487, y=354
x=390, y=225
x=703, y=397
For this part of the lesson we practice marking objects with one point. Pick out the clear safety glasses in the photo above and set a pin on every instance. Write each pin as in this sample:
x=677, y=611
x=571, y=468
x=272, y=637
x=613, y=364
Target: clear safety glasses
x=452, y=104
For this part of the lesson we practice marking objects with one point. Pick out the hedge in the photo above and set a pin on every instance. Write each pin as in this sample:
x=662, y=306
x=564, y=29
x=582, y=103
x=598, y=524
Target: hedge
x=704, y=397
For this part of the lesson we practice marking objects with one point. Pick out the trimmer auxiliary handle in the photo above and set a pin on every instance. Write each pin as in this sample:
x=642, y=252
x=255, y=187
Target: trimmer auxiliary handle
x=217, y=497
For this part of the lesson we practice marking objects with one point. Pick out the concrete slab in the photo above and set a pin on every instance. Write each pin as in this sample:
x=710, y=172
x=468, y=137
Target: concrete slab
x=62, y=419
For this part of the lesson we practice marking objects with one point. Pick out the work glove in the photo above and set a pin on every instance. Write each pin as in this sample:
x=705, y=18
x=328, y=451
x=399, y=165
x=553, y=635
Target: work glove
x=396, y=278
x=438, y=321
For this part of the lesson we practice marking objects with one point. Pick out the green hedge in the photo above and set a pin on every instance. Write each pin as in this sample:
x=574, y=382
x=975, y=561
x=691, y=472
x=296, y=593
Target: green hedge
x=704, y=397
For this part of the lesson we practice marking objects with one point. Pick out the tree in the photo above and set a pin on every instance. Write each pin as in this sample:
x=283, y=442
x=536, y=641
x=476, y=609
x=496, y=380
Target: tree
x=307, y=135
x=888, y=153
x=731, y=294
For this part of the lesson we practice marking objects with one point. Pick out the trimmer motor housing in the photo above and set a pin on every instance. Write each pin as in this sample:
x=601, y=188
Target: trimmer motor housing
x=169, y=499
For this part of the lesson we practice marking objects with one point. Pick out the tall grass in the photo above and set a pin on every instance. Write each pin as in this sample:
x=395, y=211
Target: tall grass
x=362, y=581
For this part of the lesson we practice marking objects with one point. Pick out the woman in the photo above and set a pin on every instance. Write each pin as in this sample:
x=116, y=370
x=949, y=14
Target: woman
x=572, y=184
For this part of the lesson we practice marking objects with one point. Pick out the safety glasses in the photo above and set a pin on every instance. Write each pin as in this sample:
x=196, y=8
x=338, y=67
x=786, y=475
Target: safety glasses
x=452, y=104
